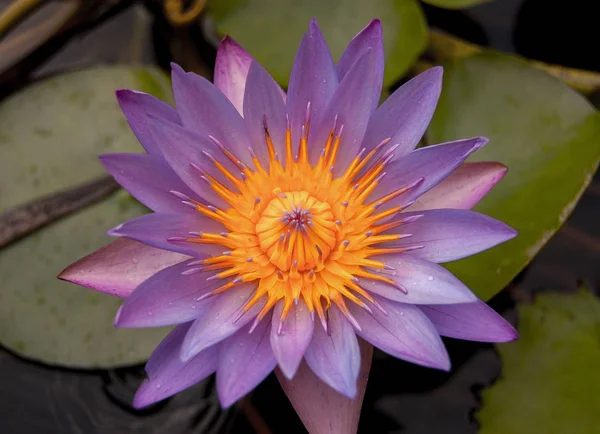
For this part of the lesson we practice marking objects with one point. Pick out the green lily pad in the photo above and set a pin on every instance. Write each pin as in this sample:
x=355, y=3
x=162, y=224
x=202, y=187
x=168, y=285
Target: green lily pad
x=50, y=137
x=271, y=30
x=547, y=134
x=550, y=378
x=455, y=4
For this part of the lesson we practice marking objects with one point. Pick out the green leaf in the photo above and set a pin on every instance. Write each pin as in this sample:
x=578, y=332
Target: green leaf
x=550, y=379
x=50, y=137
x=547, y=134
x=455, y=4
x=271, y=30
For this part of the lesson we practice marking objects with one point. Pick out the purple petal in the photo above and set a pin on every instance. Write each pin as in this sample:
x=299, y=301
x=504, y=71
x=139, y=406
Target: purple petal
x=351, y=105
x=163, y=231
x=191, y=157
x=205, y=110
x=169, y=297
x=322, y=409
x=313, y=80
x=231, y=70
x=464, y=188
x=168, y=374
x=290, y=339
x=223, y=321
x=423, y=282
x=245, y=359
x=263, y=105
x=405, y=115
x=404, y=332
x=431, y=165
x=472, y=321
x=450, y=234
x=136, y=105
x=118, y=268
x=371, y=37
x=150, y=180
x=334, y=356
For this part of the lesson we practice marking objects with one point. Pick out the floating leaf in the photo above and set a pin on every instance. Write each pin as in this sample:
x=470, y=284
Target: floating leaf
x=50, y=137
x=271, y=30
x=455, y=4
x=547, y=135
x=550, y=377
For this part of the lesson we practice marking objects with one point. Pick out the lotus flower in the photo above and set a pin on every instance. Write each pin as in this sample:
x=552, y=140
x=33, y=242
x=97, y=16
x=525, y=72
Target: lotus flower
x=286, y=225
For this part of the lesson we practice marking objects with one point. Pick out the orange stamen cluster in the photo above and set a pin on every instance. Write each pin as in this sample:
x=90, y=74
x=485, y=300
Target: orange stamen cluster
x=298, y=232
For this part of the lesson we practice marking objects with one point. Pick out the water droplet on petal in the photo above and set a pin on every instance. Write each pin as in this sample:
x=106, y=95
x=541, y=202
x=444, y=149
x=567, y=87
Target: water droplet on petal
x=158, y=386
x=430, y=278
x=135, y=261
x=401, y=313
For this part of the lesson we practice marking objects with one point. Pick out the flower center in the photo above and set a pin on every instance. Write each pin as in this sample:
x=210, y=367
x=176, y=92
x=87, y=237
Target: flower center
x=297, y=230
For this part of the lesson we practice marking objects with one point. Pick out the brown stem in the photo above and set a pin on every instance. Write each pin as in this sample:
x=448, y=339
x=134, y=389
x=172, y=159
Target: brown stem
x=22, y=220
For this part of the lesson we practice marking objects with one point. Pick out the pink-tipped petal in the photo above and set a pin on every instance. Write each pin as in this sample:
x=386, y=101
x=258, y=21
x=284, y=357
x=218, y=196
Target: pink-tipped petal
x=119, y=267
x=431, y=165
x=225, y=318
x=451, y=234
x=313, y=80
x=290, y=339
x=371, y=37
x=168, y=374
x=464, y=188
x=421, y=282
x=136, y=105
x=405, y=115
x=204, y=109
x=404, y=331
x=351, y=105
x=334, y=355
x=231, y=71
x=171, y=296
x=245, y=359
x=264, y=110
x=471, y=321
x=322, y=409
x=150, y=180
x=169, y=231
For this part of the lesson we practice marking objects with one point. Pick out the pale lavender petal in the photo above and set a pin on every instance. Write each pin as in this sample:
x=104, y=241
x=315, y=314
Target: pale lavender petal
x=245, y=359
x=204, y=109
x=405, y=115
x=450, y=234
x=404, y=331
x=472, y=321
x=464, y=188
x=150, y=180
x=263, y=106
x=351, y=105
x=334, y=355
x=290, y=339
x=166, y=231
x=429, y=165
x=136, y=106
x=168, y=374
x=322, y=409
x=369, y=37
x=119, y=267
x=313, y=80
x=231, y=70
x=419, y=282
x=171, y=296
x=223, y=321
x=191, y=157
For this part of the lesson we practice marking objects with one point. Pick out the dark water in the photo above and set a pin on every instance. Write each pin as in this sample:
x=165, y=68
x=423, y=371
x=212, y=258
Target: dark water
x=401, y=397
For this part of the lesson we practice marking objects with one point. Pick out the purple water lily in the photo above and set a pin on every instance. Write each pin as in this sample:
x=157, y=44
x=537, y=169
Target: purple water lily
x=286, y=225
